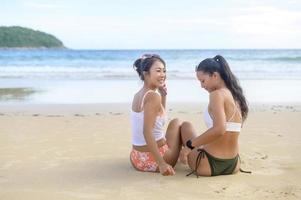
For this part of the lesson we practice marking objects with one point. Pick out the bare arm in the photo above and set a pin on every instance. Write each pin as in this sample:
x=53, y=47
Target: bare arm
x=216, y=106
x=152, y=106
x=163, y=92
x=163, y=101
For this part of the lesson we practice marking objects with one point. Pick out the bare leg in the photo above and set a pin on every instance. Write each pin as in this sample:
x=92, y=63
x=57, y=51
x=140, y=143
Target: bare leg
x=173, y=139
x=187, y=133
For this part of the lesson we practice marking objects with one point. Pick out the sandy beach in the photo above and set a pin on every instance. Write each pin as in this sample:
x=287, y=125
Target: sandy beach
x=82, y=152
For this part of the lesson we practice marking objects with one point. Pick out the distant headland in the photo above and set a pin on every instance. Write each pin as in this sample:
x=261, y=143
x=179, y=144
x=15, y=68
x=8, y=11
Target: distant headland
x=21, y=37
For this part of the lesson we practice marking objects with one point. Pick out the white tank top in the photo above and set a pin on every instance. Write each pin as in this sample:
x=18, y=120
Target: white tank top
x=137, y=126
x=230, y=126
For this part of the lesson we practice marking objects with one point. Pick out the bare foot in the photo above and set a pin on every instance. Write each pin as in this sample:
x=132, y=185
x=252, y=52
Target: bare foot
x=184, y=154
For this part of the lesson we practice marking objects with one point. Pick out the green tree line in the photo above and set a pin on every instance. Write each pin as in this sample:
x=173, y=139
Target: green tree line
x=16, y=36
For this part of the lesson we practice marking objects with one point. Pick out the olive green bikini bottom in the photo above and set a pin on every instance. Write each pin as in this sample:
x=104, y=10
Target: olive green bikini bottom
x=218, y=166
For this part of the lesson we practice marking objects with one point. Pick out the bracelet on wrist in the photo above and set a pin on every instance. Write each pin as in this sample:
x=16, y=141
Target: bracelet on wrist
x=189, y=144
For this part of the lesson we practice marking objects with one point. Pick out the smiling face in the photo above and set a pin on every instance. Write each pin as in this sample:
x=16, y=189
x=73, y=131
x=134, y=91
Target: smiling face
x=156, y=75
x=208, y=82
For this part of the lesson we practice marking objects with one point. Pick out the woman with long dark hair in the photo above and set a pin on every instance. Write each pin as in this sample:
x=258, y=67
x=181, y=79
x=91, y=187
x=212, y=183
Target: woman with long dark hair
x=216, y=152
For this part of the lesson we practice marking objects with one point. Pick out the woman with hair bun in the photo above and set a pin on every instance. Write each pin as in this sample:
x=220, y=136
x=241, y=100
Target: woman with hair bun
x=152, y=149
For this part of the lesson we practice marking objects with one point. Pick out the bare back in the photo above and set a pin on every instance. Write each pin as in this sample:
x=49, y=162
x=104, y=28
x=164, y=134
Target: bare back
x=137, y=101
x=227, y=145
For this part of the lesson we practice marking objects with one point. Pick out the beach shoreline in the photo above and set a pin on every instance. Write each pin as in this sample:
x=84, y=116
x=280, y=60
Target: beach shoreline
x=37, y=91
x=81, y=151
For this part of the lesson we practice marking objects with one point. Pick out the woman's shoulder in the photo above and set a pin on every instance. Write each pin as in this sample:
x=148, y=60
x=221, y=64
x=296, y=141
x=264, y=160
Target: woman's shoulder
x=219, y=93
x=152, y=96
x=151, y=102
x=223, y=97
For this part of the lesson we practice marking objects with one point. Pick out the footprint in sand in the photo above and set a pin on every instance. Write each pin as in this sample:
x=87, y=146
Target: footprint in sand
x=223, y=189
x=117, y=113
x=264, y=157
x=259, y=155
x=54, y=116
x=79, y=115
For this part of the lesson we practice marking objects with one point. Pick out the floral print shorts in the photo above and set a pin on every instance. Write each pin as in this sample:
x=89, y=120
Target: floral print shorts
x=145, y=161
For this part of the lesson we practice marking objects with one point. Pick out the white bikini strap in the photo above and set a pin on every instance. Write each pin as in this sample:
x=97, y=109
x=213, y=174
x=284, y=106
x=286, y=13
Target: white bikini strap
x=234, y=112
x=142, y=102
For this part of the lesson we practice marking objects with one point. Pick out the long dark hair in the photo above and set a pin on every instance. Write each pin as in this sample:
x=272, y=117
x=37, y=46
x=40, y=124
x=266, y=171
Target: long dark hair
x=219, y=64
x=145, y=62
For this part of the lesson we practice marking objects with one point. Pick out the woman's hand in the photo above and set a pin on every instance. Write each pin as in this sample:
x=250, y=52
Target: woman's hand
x=166, y=169
x=163, y=90
x=184, y=154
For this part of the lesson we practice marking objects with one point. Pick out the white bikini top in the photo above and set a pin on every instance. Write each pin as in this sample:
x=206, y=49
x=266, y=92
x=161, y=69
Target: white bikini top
x=138, y=123
x=230, y=126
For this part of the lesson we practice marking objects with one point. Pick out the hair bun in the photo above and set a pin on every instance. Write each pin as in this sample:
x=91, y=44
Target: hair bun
x=137, y=64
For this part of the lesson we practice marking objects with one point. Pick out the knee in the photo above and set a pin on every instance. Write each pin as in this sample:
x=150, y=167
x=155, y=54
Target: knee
x=185, y=126
x=176, y=122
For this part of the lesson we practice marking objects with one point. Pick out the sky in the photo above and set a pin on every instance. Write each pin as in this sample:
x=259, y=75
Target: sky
x=161, y=24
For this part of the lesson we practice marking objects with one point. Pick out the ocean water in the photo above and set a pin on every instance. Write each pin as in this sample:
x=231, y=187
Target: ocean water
x=110, y=64
x=102, y=76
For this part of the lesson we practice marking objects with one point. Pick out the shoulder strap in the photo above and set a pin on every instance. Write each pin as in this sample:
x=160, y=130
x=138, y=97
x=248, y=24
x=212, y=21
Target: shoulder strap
x=142, y=101
x=235, y=109
x=234, y=112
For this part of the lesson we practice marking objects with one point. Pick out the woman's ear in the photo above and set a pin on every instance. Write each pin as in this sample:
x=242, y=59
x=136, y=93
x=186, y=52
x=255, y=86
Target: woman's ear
x=215, y=74
x=145, y=73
